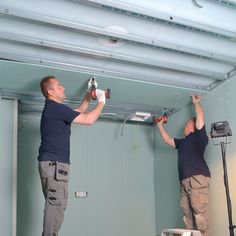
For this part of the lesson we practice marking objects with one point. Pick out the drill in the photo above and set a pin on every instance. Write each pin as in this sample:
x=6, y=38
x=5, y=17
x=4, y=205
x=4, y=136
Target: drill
x=94, y=87
x=160, y=118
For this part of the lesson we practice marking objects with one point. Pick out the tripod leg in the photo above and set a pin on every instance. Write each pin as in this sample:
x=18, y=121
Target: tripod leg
x=229, y=206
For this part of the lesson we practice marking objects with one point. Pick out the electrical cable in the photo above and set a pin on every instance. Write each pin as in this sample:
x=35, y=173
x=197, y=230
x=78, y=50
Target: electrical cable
x=122, y=129
x=196, y=4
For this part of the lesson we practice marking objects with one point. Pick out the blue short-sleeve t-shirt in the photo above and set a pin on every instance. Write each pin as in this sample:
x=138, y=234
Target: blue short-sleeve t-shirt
x=191, y=154
x=55, y=130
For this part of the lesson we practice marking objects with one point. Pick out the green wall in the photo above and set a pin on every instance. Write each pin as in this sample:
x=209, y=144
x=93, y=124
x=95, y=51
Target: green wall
x=218, y=105
x=116, y=171
x=6, y=167
x=132, y=180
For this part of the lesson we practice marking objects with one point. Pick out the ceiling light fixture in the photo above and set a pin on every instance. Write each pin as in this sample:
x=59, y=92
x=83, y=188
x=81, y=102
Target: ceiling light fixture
x=140, y=116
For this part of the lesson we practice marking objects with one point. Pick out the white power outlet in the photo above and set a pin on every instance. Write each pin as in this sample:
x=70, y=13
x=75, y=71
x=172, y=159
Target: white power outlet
x=80, y=194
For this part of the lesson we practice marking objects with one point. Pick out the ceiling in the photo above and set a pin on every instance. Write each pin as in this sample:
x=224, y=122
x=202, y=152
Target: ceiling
x=152, y=54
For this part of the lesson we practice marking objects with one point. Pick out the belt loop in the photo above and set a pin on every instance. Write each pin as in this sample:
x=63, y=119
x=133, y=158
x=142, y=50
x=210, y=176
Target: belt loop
x=52, y=163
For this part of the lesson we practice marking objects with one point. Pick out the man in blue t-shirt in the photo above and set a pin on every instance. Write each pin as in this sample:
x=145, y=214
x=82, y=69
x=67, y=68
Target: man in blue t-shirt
x=54, y=151
x=194, y=174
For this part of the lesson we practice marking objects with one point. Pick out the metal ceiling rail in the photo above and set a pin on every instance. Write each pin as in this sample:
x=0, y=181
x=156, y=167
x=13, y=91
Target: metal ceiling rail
x=232, y=72
x=121, y=75
x=62, y=65
x=141, y=12
x=39, y=54
x=226, y=3
x=87, y=29
x=33, y=102
x=114, y=56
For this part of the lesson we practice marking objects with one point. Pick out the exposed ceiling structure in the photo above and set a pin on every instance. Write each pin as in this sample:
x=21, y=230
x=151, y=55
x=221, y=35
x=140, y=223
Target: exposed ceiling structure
x=176, y=47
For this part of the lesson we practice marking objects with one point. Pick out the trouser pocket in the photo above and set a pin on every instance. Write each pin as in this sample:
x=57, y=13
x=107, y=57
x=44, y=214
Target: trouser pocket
x=200, y=185
x=57, y=192
x=62, y=172
x=54, y=178
x=199, y=181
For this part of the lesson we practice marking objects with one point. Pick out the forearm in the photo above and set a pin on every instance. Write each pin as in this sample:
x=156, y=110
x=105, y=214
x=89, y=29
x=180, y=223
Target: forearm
x=95, y=113
x=198, y=109
x=84, y=104
x=199, y=115
x=90, y=117
x=165, y=136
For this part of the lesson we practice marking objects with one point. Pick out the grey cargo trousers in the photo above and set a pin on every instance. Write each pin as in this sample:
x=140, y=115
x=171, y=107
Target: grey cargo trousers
x=194, y=203
x=54, y=179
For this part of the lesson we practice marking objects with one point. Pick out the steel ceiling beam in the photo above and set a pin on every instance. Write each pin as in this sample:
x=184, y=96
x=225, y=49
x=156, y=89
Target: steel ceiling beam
x=113, y=56
x=232, y=72
x=132, y=11
x=96, y=31
x=120, y=70
x=109, y=73
x=138, y=11
x=226, y=3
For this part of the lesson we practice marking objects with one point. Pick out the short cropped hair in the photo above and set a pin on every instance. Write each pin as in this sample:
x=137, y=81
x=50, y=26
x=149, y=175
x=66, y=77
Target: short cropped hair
x=45, y=84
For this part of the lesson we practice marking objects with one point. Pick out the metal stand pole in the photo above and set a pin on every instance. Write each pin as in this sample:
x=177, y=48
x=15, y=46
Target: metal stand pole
x=231, y=226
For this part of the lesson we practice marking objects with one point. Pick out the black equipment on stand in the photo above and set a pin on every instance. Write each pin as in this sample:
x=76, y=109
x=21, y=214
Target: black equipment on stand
x=220, y=132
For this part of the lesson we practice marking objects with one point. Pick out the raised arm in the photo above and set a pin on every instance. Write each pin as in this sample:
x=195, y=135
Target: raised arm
x=165, y=136
x=84, y=104
x=199, y=111
x=89, y=118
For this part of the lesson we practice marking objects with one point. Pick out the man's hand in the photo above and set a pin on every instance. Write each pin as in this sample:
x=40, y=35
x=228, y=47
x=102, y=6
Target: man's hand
x=101, y=96
x=91, y=82
x=160, y=123
x=196, y=98
x=199, y=111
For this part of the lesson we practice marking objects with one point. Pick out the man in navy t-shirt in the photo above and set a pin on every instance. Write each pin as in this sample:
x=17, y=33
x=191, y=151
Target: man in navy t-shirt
x=194, y=174
x=54, y=151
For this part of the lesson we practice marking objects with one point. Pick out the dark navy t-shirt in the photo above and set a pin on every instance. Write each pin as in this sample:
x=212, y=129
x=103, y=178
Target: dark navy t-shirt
x=55, y=132
x=191, y=154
